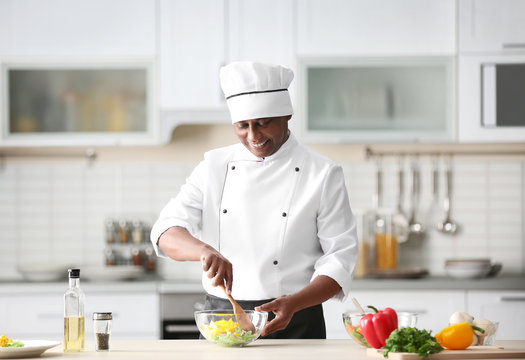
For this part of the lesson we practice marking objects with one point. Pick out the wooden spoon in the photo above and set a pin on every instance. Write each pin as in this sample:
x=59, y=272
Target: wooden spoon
x=242, y=318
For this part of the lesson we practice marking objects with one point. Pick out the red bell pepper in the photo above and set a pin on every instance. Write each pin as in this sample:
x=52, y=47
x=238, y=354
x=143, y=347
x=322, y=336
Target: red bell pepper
x=378, y=326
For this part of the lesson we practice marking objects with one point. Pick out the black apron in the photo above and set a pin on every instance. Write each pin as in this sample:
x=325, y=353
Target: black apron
x=305, y=324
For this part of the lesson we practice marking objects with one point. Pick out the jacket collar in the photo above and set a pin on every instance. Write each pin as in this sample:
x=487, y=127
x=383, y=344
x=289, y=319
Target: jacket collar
x=283, y=151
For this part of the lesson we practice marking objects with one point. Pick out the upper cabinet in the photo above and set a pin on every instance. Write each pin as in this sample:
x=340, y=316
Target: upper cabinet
x=77, y=29
x=401, y=99
x=491, y=25
x=78, y=73
x=372, y=27
x=198, y=37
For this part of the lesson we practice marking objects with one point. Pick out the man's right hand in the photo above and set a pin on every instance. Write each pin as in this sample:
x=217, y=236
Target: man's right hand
x=217, y=268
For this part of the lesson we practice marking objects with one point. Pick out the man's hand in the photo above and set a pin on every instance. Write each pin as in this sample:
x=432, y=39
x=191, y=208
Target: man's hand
x=283, y=308
x=217, y=268
x=319, y=290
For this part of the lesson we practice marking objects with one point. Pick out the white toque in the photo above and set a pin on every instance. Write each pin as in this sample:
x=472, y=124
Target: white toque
x=255, y=90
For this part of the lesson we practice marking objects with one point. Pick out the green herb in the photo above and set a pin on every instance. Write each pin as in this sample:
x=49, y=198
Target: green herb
x=412, y=340
x=14, y=344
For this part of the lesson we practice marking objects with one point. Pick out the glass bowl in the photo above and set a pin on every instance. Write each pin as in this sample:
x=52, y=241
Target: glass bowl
x=488, y=340
x=352, y=324
x=221, y=326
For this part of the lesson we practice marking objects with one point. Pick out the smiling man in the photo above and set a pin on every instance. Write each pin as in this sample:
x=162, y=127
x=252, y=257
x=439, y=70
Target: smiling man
x=268, y=218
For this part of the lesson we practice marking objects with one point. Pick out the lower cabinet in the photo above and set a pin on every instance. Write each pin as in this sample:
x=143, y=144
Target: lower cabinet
x=434, y=307
x=505, y=307
x=41, y=316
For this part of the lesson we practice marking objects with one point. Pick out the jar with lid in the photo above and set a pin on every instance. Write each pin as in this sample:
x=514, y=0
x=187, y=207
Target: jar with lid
x=123, y=231
x=385, y=239
x=109, y=256
x=102, y=328
x=137, y=232
x=151, y=259
x=110, y=231
x=136, y=256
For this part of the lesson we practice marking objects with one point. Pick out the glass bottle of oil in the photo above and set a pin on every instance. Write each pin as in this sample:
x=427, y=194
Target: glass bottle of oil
x=74, y=314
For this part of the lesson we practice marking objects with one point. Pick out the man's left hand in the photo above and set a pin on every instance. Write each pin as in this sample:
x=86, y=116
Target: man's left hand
x=283, y=308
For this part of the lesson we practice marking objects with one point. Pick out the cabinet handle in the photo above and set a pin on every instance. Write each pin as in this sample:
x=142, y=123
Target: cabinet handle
x=511, y=298
x=514, y=46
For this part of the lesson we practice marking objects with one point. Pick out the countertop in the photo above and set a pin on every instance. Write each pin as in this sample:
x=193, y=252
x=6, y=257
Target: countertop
x=261, y=349
x=510, y=282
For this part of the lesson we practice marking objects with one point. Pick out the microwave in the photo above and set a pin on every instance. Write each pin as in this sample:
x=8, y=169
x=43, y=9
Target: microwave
x=503, y=94
x=491, y=98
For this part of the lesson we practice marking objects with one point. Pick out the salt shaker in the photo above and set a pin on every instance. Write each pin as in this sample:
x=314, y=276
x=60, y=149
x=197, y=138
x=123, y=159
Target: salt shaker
x=102, y=328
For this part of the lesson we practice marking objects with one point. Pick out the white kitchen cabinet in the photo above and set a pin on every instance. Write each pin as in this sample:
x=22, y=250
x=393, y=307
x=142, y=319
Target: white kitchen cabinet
x=491, y=25
x=505, y=307
x=470, y=101
x=83, y=29
x=433, y=307
x=41, y=315
x=261, y=31
x=342, y=27
x=194, y=44
x=373, y=99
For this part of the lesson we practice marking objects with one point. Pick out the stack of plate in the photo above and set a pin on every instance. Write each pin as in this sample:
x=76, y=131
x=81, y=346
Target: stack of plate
x=468, y=268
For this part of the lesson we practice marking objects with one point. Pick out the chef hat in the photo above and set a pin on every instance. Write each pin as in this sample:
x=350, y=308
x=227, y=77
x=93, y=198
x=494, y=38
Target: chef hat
x=256, y=90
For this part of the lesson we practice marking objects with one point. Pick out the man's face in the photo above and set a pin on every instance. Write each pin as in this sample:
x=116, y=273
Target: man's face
x=263, y=137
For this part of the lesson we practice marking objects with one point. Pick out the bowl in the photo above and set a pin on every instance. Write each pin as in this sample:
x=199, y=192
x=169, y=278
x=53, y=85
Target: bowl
x=352, y=324
x=467, y=268
x=489, y=337
x=221, y=326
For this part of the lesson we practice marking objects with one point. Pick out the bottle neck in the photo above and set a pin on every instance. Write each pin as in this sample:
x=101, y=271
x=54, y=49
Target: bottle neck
x=74, y=282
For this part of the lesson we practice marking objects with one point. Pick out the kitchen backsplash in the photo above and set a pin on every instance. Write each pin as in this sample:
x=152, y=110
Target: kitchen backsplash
x=55, y=212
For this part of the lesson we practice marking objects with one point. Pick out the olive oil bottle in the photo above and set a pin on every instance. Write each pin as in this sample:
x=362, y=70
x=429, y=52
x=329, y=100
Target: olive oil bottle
x=74, y=314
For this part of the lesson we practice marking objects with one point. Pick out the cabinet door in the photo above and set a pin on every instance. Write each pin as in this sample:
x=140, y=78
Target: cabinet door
x=261, y=31
x=491, y=25
x=85, y=28
x=470, y=104
x=377, y=99
x=433, y=307
x=135, y=315
x=505, y=307
x=342, y=27
x=191, y=54
x=41, y=316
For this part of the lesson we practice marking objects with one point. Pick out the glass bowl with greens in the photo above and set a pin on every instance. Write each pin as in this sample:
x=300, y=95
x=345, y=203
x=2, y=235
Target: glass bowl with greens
x=221, y=326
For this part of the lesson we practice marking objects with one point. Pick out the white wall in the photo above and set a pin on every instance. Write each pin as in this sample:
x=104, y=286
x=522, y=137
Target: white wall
x=54, y=211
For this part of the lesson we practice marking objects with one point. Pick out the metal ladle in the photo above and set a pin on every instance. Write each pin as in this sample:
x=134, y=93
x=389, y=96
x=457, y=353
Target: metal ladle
x=416, y=229
x=400, y=220
x=448, y=226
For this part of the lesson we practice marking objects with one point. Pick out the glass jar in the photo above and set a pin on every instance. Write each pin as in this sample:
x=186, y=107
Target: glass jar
x=137, y=233
x=123, y=231
x=363, y=264
x=102, y=328
x=110, y=231
x=385, y=239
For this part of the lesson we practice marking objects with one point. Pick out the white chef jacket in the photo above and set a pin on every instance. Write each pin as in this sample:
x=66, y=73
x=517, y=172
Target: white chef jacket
x=281, y=220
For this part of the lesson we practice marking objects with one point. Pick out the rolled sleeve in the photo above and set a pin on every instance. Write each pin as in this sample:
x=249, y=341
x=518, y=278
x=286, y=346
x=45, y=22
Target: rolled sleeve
x=185, y=210
x=337, y=233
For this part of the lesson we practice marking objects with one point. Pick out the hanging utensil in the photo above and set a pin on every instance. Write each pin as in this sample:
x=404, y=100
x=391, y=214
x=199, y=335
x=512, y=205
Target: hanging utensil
x=433, y=214
x=416, y=228
x=400, y=220
x=448, y=226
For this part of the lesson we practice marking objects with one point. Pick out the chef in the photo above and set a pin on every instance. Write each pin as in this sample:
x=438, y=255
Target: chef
x=268, y=217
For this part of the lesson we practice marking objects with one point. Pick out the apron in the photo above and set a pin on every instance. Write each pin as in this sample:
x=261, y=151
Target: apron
x=305, y=324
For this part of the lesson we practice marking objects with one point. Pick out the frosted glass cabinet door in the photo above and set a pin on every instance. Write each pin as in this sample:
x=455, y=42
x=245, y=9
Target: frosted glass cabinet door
x=90, y=105
x=378, y=99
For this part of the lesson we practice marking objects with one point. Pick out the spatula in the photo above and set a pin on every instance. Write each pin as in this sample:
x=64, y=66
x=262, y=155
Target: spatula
x=242, y=318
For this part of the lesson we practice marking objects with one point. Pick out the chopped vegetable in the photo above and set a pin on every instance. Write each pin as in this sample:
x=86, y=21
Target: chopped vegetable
x=377, y=327
x=458, y=336
x=412, y=340
x=357, y=333
x=227, y=333
x=7, y=342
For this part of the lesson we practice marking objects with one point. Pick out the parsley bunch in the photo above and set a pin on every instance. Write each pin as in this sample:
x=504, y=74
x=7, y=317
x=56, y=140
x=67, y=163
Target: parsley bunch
x=412, y=340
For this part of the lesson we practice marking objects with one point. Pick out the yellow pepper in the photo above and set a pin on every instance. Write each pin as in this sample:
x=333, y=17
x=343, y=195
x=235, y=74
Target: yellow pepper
x=4, y=340
x=456, y=337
